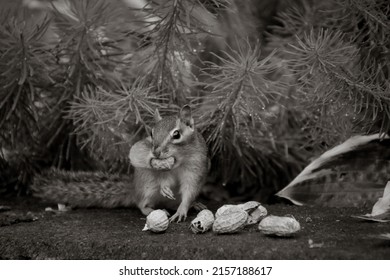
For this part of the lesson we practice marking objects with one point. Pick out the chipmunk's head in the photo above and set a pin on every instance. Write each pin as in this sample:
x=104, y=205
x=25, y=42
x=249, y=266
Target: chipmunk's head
x=170, y=134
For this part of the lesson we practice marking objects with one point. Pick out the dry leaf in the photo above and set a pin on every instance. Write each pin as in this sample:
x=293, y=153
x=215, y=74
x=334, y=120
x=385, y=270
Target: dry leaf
x=15, y=217
x=351, y=174
x=381, y=210
x=4, y=208
x=385, y=236
x=312, y=244
x=382, y=206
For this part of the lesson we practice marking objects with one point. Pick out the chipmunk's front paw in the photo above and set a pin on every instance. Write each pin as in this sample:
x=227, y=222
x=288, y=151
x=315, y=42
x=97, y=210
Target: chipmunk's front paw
x=166, y=191
x=179, y=216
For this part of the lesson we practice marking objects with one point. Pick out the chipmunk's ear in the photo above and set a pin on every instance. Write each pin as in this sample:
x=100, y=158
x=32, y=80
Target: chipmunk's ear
x=186, y=116
x=157, y=116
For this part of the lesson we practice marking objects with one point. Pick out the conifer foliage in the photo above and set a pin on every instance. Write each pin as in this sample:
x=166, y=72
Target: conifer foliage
x=271, y=83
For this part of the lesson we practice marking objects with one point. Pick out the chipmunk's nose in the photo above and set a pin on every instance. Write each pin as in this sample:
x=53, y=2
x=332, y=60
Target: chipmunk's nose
x=156, y=152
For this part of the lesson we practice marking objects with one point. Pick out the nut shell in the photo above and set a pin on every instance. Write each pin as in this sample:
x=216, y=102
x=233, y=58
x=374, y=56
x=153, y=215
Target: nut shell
x=203, y=221
x=221, y=210
x=230, y=221
x=279, y=226
x=162, y=164
x=257, y=215
x=157, y=221
x=249, y=206
x=255, y=210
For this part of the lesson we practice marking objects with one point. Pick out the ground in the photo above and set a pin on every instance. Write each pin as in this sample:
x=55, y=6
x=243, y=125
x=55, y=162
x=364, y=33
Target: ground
x=27, y=231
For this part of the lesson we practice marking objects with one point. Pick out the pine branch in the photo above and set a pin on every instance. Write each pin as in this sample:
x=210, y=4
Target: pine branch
x=84, y=48
x=236, y=114
x=24, y=61
x=240, y=89
x=297, y=20
x=335, y=51
x=368, y=24
x=110, y=121
x=326, y=69
x=88, y=56
x=175, y=32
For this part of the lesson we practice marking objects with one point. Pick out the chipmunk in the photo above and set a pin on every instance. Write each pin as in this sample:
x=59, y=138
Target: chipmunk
x=175, y=186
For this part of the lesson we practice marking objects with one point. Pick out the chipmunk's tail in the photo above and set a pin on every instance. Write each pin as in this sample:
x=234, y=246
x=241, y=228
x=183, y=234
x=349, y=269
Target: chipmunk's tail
x=84, y=189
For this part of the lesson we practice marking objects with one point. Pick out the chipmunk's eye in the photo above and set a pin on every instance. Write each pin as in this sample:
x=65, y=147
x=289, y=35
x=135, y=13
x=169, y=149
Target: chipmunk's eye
x=176, y=135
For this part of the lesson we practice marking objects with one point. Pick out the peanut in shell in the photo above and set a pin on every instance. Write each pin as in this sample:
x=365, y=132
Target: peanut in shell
x=227, y=207
x=157, y=221
x=249, y=206
x=279, y=226
x=162, y=164
x=230, y=221
x=203, y=221
x=254, y=209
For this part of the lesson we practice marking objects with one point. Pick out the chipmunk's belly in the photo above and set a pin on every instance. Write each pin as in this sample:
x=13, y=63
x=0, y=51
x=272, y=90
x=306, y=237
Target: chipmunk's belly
x=165, y=203
x=159, y=201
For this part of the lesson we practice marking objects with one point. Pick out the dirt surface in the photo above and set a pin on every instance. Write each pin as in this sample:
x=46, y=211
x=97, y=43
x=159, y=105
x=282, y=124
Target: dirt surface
x=27, y=231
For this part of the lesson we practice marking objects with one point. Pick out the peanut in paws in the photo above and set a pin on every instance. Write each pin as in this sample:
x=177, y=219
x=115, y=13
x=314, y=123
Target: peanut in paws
x=162, y=164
